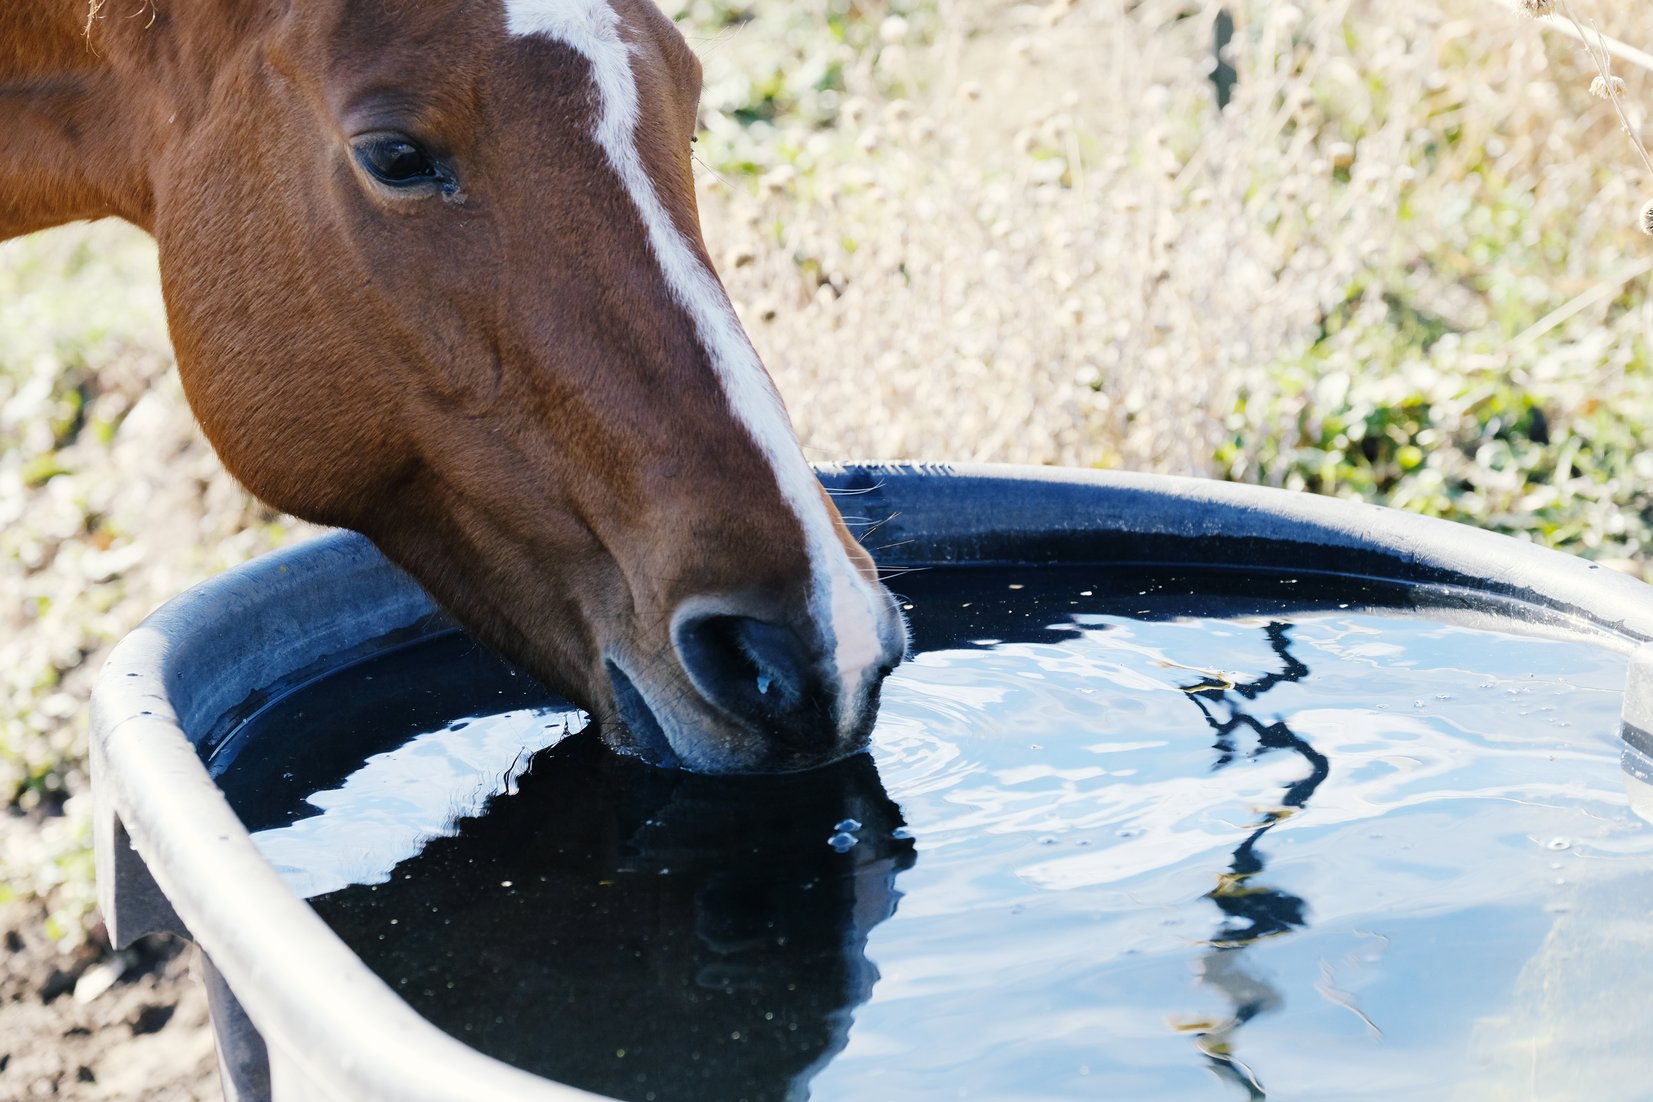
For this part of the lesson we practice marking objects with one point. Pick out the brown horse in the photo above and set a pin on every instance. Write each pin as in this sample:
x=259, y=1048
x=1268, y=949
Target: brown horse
x=434, y=272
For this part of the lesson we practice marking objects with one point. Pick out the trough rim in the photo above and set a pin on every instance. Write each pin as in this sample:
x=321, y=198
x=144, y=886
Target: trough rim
x=342, y=1026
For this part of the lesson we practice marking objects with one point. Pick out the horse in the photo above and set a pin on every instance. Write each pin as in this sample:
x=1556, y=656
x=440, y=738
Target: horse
x=434, y=271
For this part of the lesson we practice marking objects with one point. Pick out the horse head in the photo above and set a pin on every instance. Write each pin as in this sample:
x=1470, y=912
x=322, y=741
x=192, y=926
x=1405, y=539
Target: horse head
x=434, y=272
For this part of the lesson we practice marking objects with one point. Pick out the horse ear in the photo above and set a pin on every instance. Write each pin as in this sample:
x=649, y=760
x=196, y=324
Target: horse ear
x=68, y=150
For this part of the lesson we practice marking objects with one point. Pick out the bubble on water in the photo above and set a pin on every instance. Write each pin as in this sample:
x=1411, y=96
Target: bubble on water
x=848, y=825
x=1443, y=696
x=843, y=842
x=1417, y=704
x=1047, y=839
x=1558, y=844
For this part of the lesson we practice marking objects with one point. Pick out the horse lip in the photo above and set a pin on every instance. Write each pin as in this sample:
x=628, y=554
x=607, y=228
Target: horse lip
x=763, y=754
x=640, y=720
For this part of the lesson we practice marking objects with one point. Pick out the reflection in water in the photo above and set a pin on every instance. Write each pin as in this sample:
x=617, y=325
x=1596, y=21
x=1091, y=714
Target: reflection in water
x=1478, y=885
x=645, y=933
x=1252, y=910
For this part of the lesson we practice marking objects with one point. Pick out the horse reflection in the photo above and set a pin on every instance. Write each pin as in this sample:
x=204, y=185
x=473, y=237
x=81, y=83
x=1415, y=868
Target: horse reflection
x=646, y=934
x=1251, y=910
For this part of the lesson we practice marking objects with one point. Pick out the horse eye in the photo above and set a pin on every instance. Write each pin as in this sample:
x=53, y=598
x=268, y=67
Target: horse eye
x=396, y=161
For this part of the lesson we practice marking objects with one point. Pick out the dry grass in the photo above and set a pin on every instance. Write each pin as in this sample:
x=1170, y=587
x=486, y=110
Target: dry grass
x=1401, y=264
x=1048, y=244
x=110, y=502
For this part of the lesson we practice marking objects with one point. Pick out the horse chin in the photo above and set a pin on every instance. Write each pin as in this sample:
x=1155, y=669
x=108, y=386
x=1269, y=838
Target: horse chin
x=647, y=738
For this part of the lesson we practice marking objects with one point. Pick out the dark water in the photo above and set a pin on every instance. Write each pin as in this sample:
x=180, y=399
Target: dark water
x=1310, y=844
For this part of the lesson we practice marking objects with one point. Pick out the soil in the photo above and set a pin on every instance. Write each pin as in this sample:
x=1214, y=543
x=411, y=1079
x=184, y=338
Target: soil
x=97, y=1025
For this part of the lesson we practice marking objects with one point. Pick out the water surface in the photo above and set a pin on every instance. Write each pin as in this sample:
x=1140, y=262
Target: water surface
x=1314, y=842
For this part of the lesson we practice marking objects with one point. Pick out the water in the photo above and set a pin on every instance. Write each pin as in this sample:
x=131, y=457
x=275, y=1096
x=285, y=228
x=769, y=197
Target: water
x=1314, y=843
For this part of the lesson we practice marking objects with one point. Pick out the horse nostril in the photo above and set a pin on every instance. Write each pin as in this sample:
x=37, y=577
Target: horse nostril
x=756, y=670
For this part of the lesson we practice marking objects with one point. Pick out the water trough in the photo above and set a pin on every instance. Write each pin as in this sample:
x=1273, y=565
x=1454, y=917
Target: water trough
x=299, y=1015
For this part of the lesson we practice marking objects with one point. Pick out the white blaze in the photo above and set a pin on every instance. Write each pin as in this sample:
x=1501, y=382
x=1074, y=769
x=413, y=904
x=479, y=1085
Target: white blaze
x=841, y=595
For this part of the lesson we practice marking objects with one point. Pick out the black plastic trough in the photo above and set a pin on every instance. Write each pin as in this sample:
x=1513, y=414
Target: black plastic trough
x=300, y=1017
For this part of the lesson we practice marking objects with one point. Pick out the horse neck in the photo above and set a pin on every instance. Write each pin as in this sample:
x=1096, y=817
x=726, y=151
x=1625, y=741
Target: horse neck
x=84, y=88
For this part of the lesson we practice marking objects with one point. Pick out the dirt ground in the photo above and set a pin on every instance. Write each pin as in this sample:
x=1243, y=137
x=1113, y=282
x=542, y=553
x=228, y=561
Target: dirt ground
x=95, y=1025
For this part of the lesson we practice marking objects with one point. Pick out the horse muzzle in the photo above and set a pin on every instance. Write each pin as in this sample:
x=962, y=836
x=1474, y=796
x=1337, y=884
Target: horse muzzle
x=744, y=693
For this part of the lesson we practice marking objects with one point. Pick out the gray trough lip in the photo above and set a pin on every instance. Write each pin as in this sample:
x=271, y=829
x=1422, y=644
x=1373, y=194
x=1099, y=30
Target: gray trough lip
x=310, y=997
x=340, y=1030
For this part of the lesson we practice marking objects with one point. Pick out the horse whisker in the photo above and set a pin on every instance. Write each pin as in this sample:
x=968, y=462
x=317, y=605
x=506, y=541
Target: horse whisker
x=863, y=536
x=847, y=492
